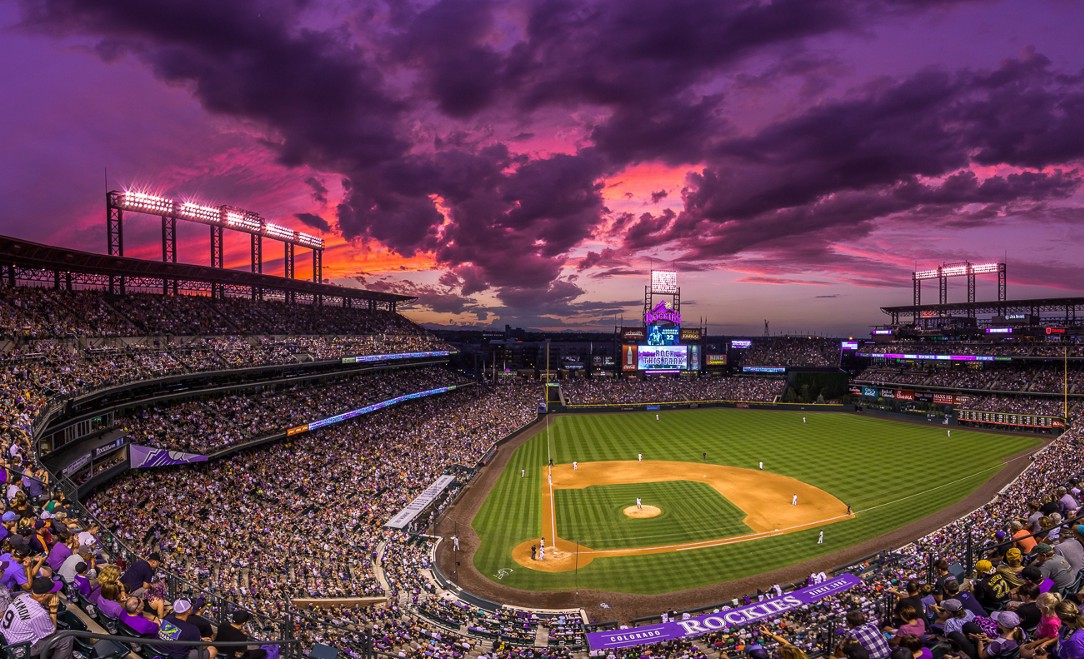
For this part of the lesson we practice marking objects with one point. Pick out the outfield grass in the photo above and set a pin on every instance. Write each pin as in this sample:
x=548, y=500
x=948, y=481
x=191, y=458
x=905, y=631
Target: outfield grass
x=890, y=472
x=594, y=516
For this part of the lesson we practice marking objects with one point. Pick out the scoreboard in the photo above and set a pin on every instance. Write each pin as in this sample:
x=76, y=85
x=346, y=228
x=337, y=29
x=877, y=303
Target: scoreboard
x=1010, y=419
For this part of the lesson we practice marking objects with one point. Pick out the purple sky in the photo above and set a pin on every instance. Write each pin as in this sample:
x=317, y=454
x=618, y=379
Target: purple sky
x=530, y=162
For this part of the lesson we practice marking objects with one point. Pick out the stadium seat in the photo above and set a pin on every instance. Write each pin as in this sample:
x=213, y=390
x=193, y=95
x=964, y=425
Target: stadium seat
x=106, y=649
x=17, y=651
x=323, y=652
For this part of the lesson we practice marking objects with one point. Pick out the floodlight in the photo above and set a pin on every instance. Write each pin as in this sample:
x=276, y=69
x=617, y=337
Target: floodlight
x=201, y=213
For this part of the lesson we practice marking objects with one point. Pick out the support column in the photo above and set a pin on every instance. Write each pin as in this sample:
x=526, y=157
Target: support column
x=114, y=227
x=169, y=249
x=289, y=266
x=916, y=285
x=970, y=292
x=216, y=258
x=257, y=263
x=1002, y=288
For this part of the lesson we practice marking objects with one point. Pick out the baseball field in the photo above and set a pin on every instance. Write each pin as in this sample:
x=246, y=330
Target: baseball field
x=723, y=494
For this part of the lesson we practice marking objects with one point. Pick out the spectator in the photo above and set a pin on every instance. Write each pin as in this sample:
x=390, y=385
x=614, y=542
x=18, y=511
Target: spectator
x=867, y=634
x=31, y=618
x=175, y=627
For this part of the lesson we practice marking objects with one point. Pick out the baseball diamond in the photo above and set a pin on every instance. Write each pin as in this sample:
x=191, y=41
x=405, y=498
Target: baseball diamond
x=830, y=462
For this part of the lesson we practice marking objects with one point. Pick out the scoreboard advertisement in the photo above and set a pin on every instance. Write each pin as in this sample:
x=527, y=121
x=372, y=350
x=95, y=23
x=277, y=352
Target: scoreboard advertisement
x=662, y=358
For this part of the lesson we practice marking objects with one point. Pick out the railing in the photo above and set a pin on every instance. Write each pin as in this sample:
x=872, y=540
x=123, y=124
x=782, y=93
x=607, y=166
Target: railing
x=292, y=647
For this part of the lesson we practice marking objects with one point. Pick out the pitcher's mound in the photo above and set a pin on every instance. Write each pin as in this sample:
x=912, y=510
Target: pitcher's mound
x=642, y=513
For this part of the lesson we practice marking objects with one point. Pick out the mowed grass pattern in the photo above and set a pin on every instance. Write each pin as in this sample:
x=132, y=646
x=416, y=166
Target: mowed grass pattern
x=594, y=516
x=890, y=472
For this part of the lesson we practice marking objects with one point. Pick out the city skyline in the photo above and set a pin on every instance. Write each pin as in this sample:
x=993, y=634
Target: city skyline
x=529, y=163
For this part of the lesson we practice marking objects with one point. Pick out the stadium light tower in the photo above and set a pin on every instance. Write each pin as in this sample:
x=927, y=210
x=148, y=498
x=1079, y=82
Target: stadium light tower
x=218, y=218
x=963, y=269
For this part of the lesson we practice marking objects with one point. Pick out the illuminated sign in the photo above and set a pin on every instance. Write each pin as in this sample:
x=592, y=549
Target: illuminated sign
x=944, y=399
x=882, y=332
x=869, y=392
x=1010, y=419
x=740, y=345
x=656, y=358
x=999, y=330
x=764, y=369
x=954, y=358
x=662, y=336
x=694, y=358
x=664, y=281
x=628, y=358
x=716, y=360
x=363, y=359
x=1055, y=330
x=903, y=394
x=849, y=345
x=663, y=312
x=690, y=334
x=631, y=334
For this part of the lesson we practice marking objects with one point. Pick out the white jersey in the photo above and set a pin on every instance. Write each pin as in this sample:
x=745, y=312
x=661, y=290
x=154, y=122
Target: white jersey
x=26, y=621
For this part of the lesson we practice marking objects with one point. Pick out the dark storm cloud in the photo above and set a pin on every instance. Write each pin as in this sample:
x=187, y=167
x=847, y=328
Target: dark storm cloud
x=314, y=221
x=408, y=112
x=897, y=150
x=319, y=190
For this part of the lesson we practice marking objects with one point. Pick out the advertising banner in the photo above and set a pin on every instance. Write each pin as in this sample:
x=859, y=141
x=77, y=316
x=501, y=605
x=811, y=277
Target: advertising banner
x=904, y=394
x=628, y=358
x=108, y=448
x=716, y=360
x=944, y=399
x=694, y=358
x=660, y=358
x=869, y=392
x=690, y=333
x=856, y=390
x=738, y=617
x=633, y=335
x=144, y=457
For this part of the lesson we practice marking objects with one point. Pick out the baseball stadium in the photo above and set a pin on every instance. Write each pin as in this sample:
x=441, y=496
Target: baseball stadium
x=303, y=463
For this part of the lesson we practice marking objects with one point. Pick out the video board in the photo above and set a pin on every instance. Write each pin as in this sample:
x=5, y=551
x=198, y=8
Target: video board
x=661, y=335
x=662, y=358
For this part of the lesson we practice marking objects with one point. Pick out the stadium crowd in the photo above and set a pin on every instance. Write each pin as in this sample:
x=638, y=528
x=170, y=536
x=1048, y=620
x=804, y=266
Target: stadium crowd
x=671, y=390
x=209, y=424
x=305, y=517
x=1028, y=378
x=1051, y=349
x=792, y=351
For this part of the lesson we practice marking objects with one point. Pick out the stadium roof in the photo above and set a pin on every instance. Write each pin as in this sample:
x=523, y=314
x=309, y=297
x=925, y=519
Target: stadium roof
x=26, y=255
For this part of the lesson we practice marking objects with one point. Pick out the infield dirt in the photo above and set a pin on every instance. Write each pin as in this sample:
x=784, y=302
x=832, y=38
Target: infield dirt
x=763, y=496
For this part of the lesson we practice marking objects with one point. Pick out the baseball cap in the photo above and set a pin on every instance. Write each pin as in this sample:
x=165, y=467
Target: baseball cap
x=9, y=516
x=241, y=616
x=1000, y=535
x=756, y=651
x=182, y=606
x=1042, y=548
x=1014, y=553
x=1007, y=619
x=44, y=585
x=46, y=515
x=952, y=605
x=984, y=567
